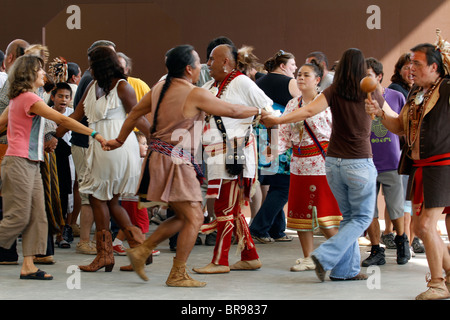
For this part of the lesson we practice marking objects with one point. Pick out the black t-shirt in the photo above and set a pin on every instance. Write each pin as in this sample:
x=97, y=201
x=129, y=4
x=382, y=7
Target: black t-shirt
x=276, y=87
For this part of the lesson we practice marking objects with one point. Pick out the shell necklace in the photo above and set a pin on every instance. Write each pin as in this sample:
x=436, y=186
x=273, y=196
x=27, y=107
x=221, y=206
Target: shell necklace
x=416, y=111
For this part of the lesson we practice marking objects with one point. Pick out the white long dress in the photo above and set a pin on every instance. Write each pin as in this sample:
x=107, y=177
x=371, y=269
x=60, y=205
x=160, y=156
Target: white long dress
x=109, y=172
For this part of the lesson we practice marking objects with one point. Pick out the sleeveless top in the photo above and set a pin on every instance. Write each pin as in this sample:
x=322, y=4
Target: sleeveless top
x=109, y=173
x=276, y=87
x=170, y=180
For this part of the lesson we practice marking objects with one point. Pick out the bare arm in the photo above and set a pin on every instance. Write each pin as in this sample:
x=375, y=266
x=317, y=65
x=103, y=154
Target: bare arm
x=42, y=109
x=293, y=88
x=198, y=99
x=315, y=107
x=202, y=99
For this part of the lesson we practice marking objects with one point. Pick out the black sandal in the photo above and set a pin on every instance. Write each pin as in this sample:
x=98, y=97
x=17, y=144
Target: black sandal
x=38, y=275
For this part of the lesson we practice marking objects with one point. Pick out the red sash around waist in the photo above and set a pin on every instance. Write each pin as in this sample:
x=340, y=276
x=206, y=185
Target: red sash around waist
x=434, y=161
x=309, y=151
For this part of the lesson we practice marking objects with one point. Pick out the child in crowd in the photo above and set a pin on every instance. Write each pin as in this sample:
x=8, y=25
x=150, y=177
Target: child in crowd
x=138, y=216
x=61, y=97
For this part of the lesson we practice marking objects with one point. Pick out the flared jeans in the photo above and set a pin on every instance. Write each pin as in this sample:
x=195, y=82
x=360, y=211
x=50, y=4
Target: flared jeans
x=353, y=183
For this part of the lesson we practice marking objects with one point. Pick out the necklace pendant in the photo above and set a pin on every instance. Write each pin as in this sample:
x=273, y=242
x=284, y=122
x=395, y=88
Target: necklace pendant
x=419, y=98
x=214, y=90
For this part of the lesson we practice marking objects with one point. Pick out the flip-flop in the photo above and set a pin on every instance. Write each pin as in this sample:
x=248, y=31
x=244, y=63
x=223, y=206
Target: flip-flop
x=38, y=275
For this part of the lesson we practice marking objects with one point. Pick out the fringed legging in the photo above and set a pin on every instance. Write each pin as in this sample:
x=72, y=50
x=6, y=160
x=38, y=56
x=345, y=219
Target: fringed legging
x=229, y=218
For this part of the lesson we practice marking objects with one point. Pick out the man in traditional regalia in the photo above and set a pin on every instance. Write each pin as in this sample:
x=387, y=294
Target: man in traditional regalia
x=426, y=158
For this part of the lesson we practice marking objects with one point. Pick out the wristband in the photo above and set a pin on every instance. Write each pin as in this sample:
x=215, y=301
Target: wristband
x=94, y=133
x=119, y=141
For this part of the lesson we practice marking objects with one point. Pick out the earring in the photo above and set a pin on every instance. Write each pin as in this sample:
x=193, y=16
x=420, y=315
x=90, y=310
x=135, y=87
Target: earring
x=225, y=69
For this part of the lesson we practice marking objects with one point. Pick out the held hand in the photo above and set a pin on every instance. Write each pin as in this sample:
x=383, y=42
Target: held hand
x=265, y=113
x=100, y=139
x=269, y=120
x=50, y=146
x=373, y=108
x=111, y=145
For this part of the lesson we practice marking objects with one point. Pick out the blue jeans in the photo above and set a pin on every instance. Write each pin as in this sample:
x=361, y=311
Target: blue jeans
x=353, y=183
x=270, y=221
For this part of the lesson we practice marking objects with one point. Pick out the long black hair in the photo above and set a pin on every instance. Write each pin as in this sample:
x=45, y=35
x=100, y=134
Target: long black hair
x=349, y=73
x=177, y=59
x=105, y=66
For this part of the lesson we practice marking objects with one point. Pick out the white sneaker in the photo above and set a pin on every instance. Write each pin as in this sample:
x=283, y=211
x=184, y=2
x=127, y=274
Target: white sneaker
x=303, y=265
x=364, y=242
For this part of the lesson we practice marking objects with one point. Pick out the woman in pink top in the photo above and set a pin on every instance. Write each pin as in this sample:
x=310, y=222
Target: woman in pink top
x=22, y=190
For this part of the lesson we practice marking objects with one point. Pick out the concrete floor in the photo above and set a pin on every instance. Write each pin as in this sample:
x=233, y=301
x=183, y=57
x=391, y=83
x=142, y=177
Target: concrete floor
x=272, y=282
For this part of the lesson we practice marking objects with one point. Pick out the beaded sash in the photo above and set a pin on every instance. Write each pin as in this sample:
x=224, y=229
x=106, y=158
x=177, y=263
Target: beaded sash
x=309, y=151
x=177, y=153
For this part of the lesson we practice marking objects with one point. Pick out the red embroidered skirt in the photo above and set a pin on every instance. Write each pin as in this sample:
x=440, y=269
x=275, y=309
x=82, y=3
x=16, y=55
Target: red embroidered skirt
x=311, y=204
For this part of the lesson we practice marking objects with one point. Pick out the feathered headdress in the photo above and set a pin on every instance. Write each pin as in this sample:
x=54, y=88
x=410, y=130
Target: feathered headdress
x=58, y=70
x=444, y=48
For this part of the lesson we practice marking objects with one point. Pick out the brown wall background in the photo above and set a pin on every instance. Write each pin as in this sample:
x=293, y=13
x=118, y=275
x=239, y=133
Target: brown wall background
x=145, y=30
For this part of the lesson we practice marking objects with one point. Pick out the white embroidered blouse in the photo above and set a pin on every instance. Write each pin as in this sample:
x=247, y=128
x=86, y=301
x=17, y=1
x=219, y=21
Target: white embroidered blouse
x=289, y=136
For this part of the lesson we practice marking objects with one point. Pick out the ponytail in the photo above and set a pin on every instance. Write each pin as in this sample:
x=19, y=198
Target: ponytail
x=164, y=89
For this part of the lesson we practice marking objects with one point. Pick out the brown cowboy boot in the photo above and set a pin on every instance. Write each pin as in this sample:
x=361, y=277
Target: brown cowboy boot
x=139, y=255
x=178, y=276
x=105, y=255
x=135, y=237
